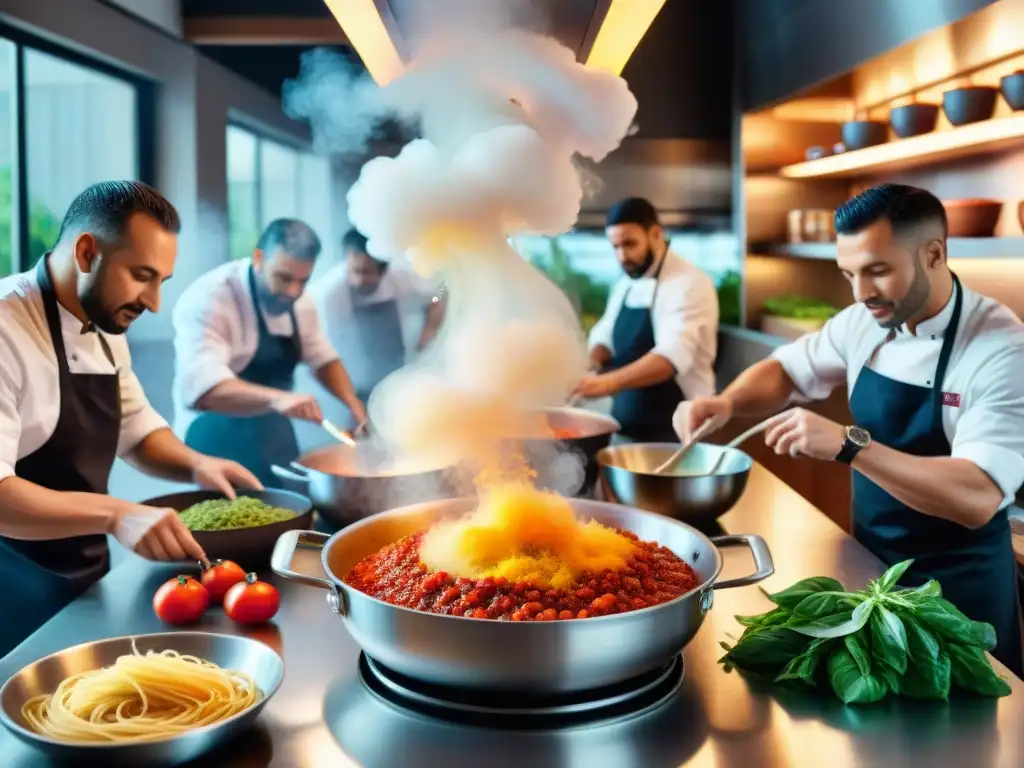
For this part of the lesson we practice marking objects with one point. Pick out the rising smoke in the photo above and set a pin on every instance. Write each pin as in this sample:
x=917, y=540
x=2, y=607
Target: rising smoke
x=503, y=113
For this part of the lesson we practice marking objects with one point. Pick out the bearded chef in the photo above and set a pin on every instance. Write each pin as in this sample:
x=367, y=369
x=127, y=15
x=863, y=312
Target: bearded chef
x=655, y=345
x=240, y=332
x=935, y=374
x=70, y=404
x=377, y=314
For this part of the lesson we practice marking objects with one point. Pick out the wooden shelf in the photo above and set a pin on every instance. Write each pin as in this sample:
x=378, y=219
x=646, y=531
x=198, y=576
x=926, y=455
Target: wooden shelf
x=900, y=154
x=959, y=248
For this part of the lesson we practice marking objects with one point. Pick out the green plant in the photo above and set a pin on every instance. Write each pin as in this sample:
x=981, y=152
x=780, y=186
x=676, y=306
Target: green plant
x=43, y=228
x=868, y=644
x=729, y=298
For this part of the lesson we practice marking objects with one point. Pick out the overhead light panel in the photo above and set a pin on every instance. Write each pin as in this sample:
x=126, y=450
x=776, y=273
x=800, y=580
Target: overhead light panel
x=366, y=32
x=624, y=25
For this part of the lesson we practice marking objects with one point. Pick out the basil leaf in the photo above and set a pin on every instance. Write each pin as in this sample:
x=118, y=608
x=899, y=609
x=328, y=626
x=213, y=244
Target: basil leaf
x=849, y=684
x=772, y=618
x=823, y=604
x=922, y=645
x=805, y=666
x=888, y=639
x=790, y=598
x=927, y=678
x=766, y=649
x=928, y=589
x=942, y=617
x=888, y=579
x=889, y=676
x=857, y=619
x=971, y=670
x=857, y=645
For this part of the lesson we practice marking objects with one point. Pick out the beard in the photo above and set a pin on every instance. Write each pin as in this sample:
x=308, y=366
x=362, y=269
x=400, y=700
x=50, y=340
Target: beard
x=100, y=314
x=912, y=302
x=638, y=270
x=272, y=303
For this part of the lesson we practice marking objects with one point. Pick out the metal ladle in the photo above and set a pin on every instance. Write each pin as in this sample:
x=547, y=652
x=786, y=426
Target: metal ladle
x=700, y=432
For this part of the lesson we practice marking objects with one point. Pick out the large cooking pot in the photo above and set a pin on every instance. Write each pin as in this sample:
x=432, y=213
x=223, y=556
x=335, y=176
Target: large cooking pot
x=589, y=432
x=555, y=656
x=348, y=483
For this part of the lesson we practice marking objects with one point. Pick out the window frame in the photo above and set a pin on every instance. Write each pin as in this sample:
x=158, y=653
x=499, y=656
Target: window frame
x=145, y=123
x=260, y=137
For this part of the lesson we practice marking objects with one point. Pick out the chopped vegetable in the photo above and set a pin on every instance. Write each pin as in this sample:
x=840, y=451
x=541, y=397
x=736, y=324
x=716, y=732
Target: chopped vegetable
x=225, y=514
x=865, y=645
x=220, y=577
x=181, y=600
x=251, y=601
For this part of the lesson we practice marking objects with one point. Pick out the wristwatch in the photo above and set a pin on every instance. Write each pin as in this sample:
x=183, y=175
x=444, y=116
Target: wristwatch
x=857, y=439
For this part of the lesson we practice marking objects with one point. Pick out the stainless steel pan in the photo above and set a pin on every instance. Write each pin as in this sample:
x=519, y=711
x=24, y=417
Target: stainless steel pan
x=591, y=433
x=556, y=656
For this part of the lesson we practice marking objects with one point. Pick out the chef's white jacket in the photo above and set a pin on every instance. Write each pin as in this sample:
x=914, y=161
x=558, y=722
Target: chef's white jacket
x=985, y=375
x=216, y=335
x=29, y=376
x=685, y=318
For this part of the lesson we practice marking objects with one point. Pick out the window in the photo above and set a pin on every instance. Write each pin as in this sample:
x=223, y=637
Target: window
x=65, y=123
x=269, y=180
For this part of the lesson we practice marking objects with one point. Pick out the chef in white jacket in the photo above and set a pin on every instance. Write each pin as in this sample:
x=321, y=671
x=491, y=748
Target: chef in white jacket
x=240, y=332
x=70, y=405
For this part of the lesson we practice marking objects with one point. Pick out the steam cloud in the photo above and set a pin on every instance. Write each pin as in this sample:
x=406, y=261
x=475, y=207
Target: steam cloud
x=503, y=113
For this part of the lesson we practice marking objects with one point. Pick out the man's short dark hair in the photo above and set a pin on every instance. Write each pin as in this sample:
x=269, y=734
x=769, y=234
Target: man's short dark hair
x=355, y=241
x=632, y=210
x=903, y=206
x=104, y=208
x=294, y=237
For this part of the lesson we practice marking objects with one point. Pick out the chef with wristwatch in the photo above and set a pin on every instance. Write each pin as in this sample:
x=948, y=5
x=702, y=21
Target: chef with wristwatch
x=935, y=374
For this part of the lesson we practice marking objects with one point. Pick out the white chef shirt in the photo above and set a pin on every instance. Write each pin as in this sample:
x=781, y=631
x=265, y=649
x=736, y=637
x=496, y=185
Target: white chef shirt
x=685, y=317
x=216, y=335
x=30, y=378
x=986, y=371
x=412, y=293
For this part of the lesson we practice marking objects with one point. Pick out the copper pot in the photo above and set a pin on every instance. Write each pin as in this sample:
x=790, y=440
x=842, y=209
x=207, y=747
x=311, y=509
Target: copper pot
x=972, y=217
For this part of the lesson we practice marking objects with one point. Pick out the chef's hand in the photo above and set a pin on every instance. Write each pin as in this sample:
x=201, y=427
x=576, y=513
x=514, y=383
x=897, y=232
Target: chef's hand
x=690, y=414
x=800, y=432
x=222, y=475
x=593, y=387
x=154, y=533
x=298, y=406
x=362, y=421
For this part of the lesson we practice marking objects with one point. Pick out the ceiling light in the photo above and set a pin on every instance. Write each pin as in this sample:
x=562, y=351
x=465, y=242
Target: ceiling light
x=367, y=34
x=624, y=25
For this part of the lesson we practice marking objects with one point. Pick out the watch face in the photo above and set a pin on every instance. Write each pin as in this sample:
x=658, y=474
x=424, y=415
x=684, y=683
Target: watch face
x=859, y=436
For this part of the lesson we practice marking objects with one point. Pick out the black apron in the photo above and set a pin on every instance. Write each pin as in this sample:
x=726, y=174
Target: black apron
x=644, y=413
x=976, y=568
x=256, y=442
x=41, y=577
x=377, y=334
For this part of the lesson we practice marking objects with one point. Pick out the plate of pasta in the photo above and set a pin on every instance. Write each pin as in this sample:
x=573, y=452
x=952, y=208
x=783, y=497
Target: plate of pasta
x=149, y=699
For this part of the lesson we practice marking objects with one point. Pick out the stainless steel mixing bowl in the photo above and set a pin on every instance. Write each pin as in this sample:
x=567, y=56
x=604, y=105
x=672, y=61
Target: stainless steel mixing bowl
x=227, y=651
x=688, y=493
x=483, y=654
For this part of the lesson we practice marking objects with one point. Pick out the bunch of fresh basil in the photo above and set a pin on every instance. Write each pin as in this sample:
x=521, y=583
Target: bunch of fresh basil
x=868, y=644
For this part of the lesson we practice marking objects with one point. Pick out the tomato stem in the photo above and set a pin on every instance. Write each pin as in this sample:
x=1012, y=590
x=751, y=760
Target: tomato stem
x=250, y=578
x=182, y=580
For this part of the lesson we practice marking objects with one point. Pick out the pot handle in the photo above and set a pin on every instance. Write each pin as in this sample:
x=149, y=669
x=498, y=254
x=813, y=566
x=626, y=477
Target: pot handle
x=281, y=563
x=297, y=473
x=762, y=559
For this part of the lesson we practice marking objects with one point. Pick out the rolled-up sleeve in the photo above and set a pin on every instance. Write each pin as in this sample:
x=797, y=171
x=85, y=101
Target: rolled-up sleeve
x=138, y=418
x=601, y=333
x=10, y=417
x=202, y=345
x=816, y=362
x=990, y=432
x=687, y=314
x=317, y=350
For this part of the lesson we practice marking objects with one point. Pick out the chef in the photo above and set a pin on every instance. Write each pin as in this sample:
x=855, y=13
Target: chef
x=70, y=404
x=377, y=314
x=935, y=374
x=655, y=344
x=240, y=331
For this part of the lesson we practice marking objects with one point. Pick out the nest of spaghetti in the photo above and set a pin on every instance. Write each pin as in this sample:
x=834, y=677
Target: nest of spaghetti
x=523, y=555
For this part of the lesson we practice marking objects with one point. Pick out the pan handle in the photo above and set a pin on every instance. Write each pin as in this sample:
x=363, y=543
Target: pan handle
x=281, y=563
x=296, y=473
x=762, y=559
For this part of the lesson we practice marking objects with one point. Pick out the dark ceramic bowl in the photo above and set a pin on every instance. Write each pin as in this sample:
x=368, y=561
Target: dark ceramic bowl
x=972, y=218
x=864, y=133
x=1012, y=87
x=914, y=119
x=249, y=547
x=969, y=105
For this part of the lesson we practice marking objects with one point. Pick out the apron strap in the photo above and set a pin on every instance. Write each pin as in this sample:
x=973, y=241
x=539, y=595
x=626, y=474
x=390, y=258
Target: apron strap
x=947, y=352
x=261, y=323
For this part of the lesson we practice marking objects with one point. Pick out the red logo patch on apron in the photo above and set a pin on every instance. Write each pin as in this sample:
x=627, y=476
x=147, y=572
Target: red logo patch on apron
x=951, y=399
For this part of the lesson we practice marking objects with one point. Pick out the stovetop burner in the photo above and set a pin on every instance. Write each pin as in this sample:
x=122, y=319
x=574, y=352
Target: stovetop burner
x=518, y=710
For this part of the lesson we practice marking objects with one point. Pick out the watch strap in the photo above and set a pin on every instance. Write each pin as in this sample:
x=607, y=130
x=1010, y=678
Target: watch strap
x=848, y=451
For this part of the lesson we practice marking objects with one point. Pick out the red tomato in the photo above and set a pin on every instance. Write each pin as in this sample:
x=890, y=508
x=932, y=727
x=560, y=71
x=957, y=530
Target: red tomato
x=181, y=600
x=220, y=577
x=251, y=601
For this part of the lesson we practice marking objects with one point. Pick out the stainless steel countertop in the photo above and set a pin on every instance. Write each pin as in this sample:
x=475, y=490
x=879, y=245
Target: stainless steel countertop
x=717, y=719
